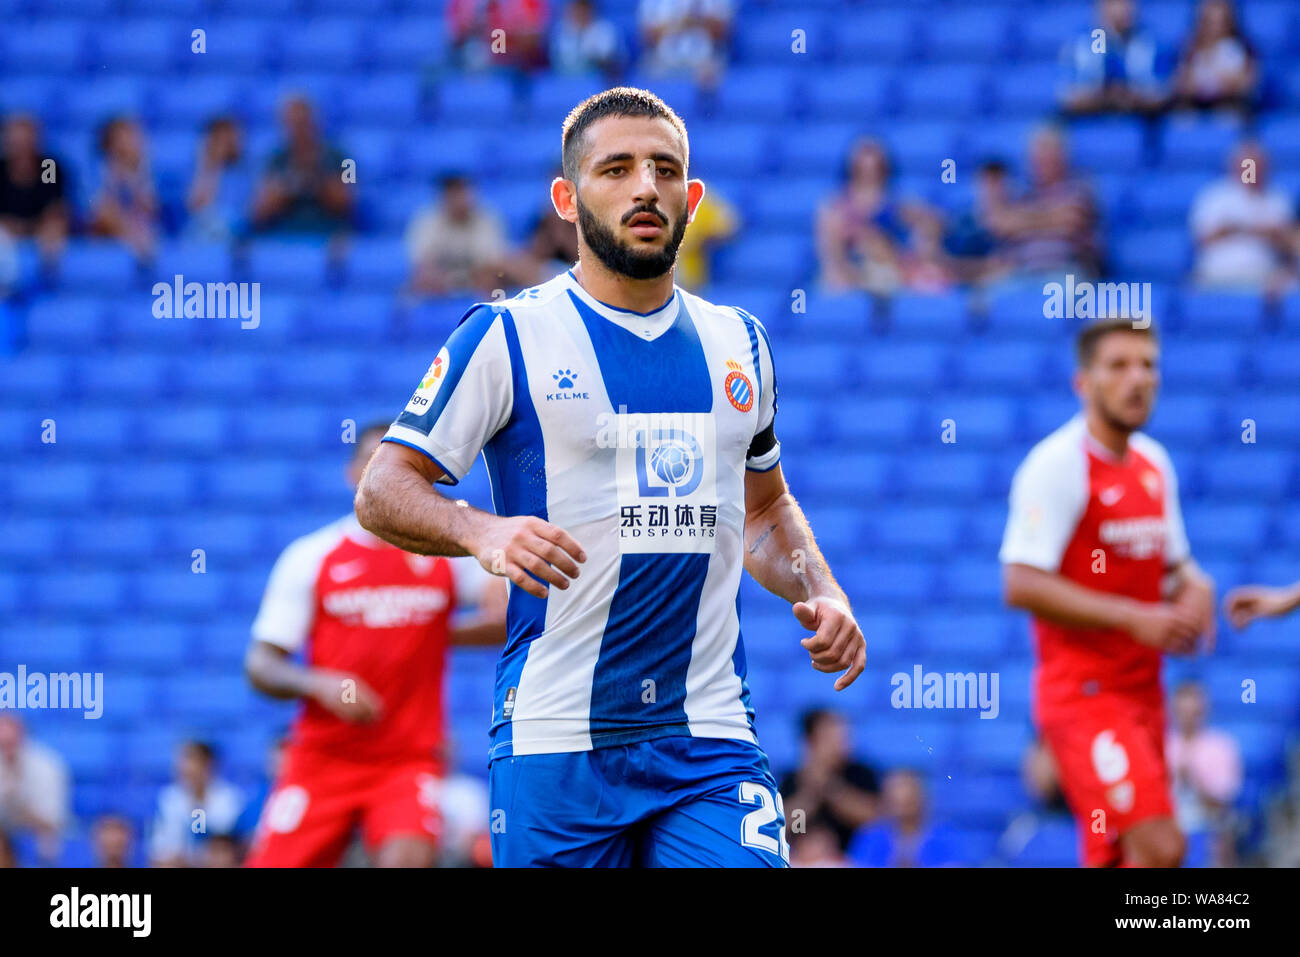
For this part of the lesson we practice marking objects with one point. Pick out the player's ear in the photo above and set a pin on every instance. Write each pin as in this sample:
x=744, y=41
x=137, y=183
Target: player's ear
x=564, y=197
x=694, y=193
x=1080, y=381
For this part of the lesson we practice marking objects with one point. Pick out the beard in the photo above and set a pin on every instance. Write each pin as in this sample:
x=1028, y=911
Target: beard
x=1123, y=420
x=627, y=260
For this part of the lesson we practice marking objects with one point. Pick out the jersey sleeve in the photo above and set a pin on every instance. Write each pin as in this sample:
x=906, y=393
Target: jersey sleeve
x=1048, y=496
x=288, y=606
x=464, y=399
x=765, y=450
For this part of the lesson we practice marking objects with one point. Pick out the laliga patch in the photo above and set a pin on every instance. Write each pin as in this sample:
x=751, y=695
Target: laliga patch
x=422, y=401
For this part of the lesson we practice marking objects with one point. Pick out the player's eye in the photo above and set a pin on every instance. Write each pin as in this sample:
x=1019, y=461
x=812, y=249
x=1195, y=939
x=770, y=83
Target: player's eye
x=667, y=171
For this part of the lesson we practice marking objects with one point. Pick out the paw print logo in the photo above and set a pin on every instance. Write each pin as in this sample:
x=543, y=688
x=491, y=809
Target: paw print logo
x=564, y=378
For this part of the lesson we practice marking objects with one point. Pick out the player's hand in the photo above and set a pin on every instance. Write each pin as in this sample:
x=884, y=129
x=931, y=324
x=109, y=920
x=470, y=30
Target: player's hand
x=345, y=696
x=838, y=643
x=512, y=547
x=1197, y=598
x=1244, y=605
x=1165, y=627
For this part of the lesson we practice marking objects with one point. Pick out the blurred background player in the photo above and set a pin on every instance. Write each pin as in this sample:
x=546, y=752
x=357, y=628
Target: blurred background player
x=1095, y=549
x=367, y=748
x=622, y=729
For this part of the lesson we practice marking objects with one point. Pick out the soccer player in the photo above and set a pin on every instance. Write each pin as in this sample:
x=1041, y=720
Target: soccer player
x=628, y=428
x=1095, y=549
x=367, y=749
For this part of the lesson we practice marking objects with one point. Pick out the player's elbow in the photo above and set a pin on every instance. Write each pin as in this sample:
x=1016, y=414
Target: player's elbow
x=365, y=502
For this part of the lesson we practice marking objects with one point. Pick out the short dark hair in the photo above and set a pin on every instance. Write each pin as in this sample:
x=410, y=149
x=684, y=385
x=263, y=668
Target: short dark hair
x=812, y=718
x=616, y=101
x=1085, y=345
x=202, y=749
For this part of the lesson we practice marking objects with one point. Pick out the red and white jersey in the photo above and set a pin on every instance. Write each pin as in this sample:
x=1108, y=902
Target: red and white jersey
x=1110, y=524
x=360, y=605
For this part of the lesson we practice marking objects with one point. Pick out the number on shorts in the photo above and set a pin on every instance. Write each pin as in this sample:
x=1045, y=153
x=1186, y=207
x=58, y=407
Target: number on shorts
x=1109, y=759
x=764, y=814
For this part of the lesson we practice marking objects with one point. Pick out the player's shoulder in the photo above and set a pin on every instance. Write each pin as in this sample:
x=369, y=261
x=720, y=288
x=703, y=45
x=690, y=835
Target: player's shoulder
x=1152, y=450
x=528, y=305
x=712, y=313
x=1062, y=448
x=312, y=548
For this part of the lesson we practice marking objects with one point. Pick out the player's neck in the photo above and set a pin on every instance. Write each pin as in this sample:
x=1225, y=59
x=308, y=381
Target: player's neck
x=623, y=292
x=1113, y=440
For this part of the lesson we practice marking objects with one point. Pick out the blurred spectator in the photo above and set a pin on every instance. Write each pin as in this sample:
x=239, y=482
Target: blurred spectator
x=1217, y=68
x=33, y=200
x=1052, y=227
x=7, y=856
x=1242, y=226
x=818, y=848
x=34, y=788
x=196, y=805
x=686, y=36
x=111, y=841
x=456, y=243
x=586, y=43
x=829, y=790
x=1042, y=782
x=552, y=248
x=126, y=205
x=1206, y=774
x=904, y=838
x=487, y=33
x=219, y=192
x=715, y=222
x=973, y=245
x=246, y=826
x=222, y=850
x=1114, y=73
x=865, y=236
x=302, y=190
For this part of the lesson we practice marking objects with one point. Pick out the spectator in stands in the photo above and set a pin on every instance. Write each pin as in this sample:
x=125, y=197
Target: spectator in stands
x=1218, y=67
x=487, y=33
x=302, y=190
x=1042, y=782
x=217, y=201
x=714, y=223
x=222, y=850
x=111, y=841
x=196, y=805
x=865, y=235
x=585, y=42
x=972, y=243
x=7, y=856
x=126, y=205
x=686, y=36
x=552, y=247
x=456, y=243
x=33, y=193
x=1205, y=771
x=1116, y=72
x=904, y=837
x=829, y=790
x=1052, y=227
x=34, y=786
x=1243, y=227
x=818, y=848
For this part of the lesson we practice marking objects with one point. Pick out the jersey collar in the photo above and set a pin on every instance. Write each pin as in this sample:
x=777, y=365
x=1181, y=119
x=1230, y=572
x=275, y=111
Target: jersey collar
x=644, y=325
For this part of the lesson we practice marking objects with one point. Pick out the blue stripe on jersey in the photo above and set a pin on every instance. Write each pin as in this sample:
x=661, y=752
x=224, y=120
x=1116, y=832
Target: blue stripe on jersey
x=753, y=348
x=516, y=462
x=648, y=637
x=667, y=374
x=740, y=663
x=461, y=345
x=767, y=340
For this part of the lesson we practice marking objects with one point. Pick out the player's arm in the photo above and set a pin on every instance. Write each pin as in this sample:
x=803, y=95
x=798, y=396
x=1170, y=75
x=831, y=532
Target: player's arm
x=465, y=398
x=783, y=557
x=281, y=628
x=488, y=624
x=396, y=501
x=1249, y=602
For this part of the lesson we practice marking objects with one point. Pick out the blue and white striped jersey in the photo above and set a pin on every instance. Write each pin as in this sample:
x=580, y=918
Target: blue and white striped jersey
x=632, y=432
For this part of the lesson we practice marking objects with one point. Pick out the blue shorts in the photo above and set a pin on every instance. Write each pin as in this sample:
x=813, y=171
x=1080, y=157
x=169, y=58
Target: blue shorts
x=668, y=802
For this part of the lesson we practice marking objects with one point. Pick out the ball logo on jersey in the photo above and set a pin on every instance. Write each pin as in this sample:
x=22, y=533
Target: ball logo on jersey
x=737, y=387
x=666, y=485
x=675, y=463
x=422, y=401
